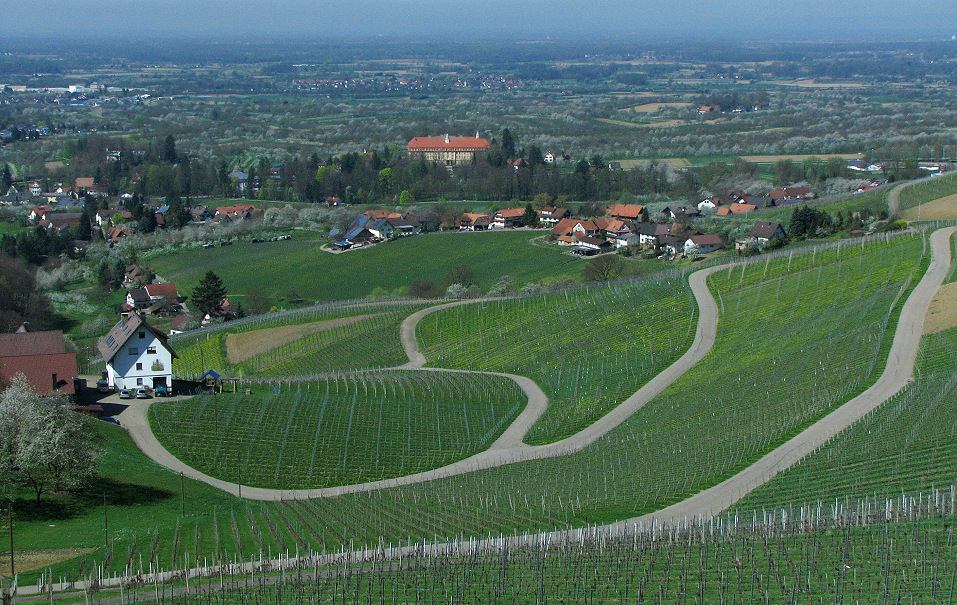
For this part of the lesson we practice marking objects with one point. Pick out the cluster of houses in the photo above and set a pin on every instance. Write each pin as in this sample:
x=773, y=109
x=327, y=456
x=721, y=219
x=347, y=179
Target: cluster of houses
x=373, y=226
x=112, y=221
x=742, y=202
x=624, y=226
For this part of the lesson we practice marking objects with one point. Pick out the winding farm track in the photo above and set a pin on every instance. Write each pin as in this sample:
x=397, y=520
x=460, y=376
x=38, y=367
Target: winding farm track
x=699, y=507
x=509, y=448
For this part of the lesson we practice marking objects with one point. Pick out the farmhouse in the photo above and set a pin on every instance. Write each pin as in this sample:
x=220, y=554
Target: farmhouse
x=588, y=246
x=447, y=150
x=550, y=215
x=628, y=212
x=572, y=226
x=41, y=357
x=619, y=233
x=510, y=217
x=137, y=354
x=764, y=231
x=790, y=194
x=153, y=297
x=472, y=221
x=736, y=208
x=225, y=214
x=707, y=242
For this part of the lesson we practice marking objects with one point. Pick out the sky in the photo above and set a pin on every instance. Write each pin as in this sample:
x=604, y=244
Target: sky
x=648, y=20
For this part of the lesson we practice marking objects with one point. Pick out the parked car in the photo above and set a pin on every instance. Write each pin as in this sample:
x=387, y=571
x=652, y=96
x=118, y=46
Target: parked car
x=102, y=386
x=126, y=394
x=164, y=391
x=142, y=393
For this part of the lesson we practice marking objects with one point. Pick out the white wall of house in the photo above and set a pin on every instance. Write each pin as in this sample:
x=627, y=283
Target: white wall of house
x=132, y=366
x=702, y=248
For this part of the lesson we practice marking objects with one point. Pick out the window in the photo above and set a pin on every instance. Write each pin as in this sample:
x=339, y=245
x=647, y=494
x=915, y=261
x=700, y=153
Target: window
x=151, y=350
x=134, y=351
x=139, y=366
x=142, y=334
x=139, y=382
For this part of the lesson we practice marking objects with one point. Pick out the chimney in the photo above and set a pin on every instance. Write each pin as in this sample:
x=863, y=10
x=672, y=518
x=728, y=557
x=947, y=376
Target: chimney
x=446, y=137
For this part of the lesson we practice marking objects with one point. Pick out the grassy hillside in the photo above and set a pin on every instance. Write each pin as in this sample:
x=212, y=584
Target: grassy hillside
x=300, y=270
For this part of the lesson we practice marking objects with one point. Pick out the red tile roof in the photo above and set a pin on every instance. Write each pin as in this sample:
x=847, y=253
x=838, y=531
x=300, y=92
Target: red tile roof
x=448, y=143
x=626, y=211
x=167, y=290
x=40, y=369
x=31, y=343
x=38, y=355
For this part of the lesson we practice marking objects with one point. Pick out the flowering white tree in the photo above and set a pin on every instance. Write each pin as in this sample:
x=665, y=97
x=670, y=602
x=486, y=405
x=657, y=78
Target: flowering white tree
x=43, y=445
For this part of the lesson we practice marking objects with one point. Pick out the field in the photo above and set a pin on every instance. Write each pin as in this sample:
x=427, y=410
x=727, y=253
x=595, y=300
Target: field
x=912, y=197
x=301, y=343
x=338, y=431
x=588, y=349
x=905, y=446
x=300, y=270
x=944, y=208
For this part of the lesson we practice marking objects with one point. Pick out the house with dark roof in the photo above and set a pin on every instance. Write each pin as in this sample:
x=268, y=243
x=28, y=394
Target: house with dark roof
x=41, y=357
x=790, y=194
x=154, y=297
x=764, y=231
x=705, y=242
x=588, y=246
x=137, y=354
x=550, y=215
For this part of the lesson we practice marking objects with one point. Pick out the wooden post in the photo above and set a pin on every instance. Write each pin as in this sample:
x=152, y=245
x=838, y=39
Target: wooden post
x=13, y=570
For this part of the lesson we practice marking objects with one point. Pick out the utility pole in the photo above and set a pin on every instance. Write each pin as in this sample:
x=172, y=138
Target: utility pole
x=182, y=490
x=106, y=525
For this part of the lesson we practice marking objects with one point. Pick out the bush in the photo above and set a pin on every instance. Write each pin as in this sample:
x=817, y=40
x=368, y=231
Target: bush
x=425, y=288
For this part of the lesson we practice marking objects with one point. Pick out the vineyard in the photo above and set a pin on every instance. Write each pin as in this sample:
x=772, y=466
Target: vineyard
x=587, y=349
x=341, y=430
x=798, y=335
x=900, y=551
x=925, y=191
x=904, y=446
x=343, y=337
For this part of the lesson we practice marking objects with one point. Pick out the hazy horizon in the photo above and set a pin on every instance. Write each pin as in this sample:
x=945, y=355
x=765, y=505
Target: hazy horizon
x=467, y=20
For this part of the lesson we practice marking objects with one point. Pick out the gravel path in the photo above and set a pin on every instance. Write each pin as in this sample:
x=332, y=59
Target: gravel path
x=898, y=372
x=509, y=448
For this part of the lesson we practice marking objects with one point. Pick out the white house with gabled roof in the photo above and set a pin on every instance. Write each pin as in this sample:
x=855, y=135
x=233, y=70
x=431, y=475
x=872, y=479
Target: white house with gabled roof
x=137, y=354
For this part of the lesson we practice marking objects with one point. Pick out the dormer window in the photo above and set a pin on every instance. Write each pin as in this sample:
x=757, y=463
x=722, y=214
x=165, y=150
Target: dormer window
x=142, y=334
x=134, y=351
